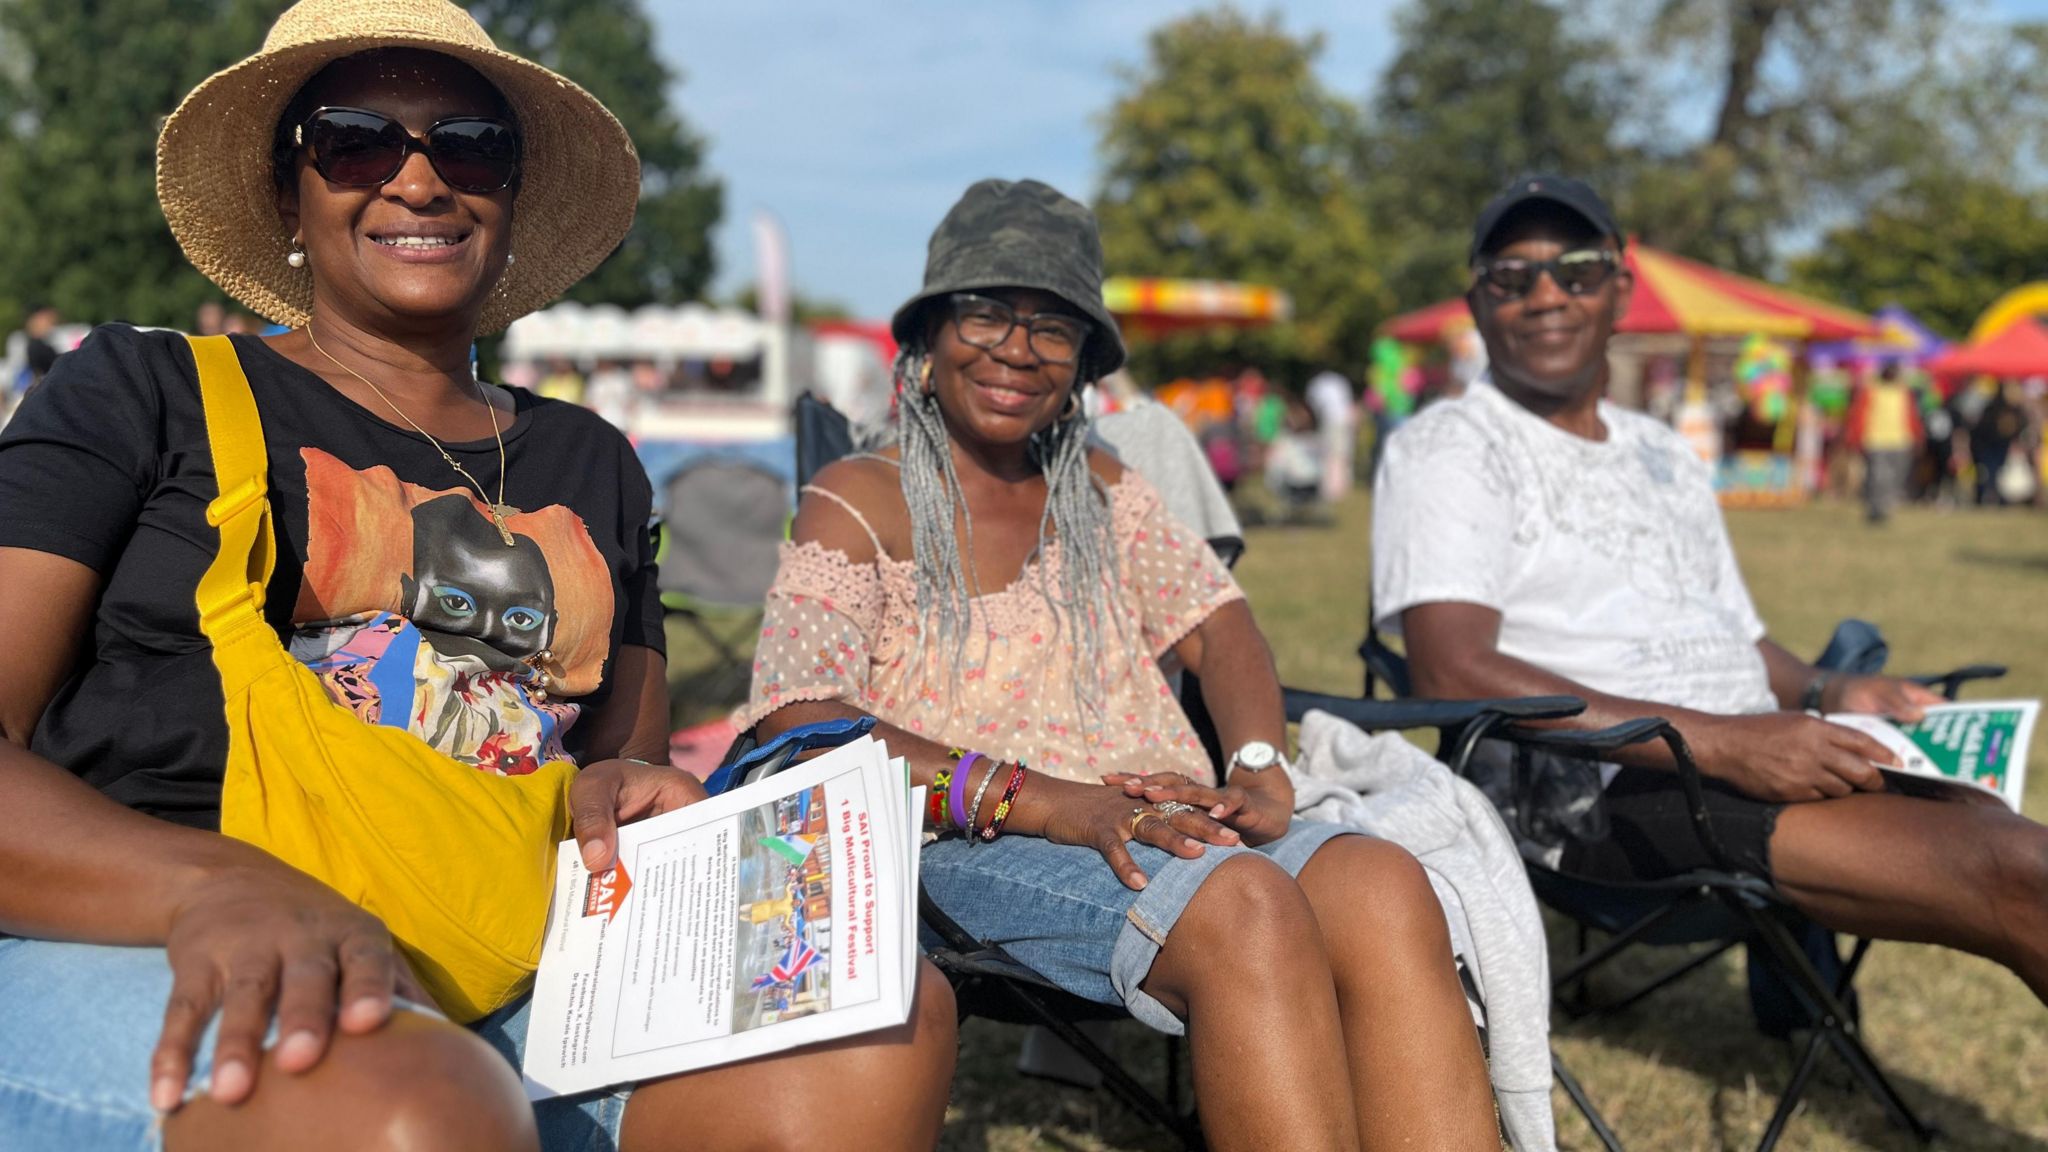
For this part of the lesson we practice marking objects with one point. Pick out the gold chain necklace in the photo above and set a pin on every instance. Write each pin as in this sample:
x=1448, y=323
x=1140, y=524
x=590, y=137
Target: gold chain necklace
x=499, y=510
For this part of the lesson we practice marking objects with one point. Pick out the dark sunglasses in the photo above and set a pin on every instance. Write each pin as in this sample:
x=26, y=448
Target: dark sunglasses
x=362, y=149
x=1579, y=273
x=986, y=322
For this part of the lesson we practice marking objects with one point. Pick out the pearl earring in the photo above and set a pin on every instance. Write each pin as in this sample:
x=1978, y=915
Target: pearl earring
x=510, y=259
x=296, y=257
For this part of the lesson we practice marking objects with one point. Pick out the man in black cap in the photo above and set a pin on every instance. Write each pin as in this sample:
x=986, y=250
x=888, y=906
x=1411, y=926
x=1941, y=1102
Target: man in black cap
x=1531, y=539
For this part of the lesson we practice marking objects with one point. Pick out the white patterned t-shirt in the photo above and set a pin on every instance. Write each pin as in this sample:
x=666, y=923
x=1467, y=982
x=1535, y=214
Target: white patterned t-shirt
x=1607, y=560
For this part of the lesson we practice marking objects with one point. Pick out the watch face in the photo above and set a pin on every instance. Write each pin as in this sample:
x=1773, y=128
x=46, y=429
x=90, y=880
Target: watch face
x=1257, y=756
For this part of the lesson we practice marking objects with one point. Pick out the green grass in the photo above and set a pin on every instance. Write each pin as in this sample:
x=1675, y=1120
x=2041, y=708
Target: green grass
x=1965, y=1041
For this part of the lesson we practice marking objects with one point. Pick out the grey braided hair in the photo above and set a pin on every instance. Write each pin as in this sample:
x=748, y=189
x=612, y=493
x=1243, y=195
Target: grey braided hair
x=1077, y=514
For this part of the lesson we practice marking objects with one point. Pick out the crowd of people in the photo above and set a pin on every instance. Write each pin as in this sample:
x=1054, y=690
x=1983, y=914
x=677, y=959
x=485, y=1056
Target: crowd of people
x=262, y=586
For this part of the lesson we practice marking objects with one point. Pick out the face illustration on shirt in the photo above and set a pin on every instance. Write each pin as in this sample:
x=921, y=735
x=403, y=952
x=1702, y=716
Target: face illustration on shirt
x=472, y=594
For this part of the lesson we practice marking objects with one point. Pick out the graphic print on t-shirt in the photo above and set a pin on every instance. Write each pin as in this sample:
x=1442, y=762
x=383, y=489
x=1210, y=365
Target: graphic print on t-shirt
x=415, y=614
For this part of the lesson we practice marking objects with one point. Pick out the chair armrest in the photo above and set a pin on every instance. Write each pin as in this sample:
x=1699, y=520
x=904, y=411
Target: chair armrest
x=1389, y=715
x=1603, y=743
x=1951, y=683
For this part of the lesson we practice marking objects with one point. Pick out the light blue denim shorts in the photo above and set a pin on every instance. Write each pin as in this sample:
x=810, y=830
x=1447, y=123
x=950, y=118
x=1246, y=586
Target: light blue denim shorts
x=1061, y=912
x=77, y=1025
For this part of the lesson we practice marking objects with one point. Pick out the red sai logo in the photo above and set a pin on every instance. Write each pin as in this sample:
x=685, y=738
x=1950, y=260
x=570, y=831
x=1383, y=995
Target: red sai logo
x=606, y=892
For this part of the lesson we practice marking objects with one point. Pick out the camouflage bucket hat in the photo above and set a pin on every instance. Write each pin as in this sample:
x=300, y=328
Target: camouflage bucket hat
x=1019, y=234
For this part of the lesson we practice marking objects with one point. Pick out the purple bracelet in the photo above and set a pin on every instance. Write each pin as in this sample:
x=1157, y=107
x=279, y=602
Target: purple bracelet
x=957, y=794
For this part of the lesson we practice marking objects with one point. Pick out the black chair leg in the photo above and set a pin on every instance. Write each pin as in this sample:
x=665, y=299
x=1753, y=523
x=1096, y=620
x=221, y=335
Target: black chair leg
x=1119, y=1082
x=1833, y=1023
x=1794, y=1092
x=1584, y=1104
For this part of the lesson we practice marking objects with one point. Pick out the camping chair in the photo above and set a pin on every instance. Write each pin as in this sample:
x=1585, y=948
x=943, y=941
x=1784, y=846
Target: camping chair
x=717, y=547
x=1718, y=907
x=989, y=983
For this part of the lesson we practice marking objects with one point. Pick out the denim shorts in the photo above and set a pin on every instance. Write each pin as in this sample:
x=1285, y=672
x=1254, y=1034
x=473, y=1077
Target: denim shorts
x=78, y=1023
x=1061, y=912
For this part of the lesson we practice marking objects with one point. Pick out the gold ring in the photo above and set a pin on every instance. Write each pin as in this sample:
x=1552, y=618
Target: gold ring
x=1137, y=818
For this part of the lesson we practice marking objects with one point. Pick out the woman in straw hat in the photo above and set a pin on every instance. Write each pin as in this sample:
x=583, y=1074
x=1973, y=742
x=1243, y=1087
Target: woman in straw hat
x=997, y=594
x=462, y=562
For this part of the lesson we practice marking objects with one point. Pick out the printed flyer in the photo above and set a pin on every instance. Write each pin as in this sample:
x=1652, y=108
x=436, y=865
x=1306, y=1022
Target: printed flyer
x=1980, y=744
x=779, y=914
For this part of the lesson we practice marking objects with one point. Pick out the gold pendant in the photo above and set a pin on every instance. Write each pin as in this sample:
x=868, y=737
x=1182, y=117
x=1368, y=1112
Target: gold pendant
x=498, y=514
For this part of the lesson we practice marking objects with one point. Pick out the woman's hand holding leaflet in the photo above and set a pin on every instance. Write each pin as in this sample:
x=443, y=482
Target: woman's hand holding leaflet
x=609, y=793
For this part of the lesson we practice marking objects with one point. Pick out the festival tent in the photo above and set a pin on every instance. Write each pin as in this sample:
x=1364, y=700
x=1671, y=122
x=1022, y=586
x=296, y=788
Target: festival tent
x=1901, y=338
x=2020, y=349
x=1677, y=295
x=1153, y=306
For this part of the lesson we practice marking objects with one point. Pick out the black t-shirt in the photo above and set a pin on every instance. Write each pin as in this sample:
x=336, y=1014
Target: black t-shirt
x=392, y=584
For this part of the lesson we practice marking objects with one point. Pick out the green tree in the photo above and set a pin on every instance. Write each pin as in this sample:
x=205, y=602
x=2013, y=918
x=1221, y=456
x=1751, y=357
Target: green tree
x=1225, y=158
x=84, y=87
x=1819, y=109
x=1942, y=248
x=1479, y=92
x=607, y=46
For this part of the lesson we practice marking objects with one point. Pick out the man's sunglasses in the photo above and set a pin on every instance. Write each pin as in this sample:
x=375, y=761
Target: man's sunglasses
x=1579, y=273
x=363, y=149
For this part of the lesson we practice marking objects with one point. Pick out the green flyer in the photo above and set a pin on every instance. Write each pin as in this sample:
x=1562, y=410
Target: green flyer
x=1983, y=744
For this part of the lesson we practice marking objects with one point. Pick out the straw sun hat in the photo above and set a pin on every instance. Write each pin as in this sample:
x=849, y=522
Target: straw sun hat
x=579, y=180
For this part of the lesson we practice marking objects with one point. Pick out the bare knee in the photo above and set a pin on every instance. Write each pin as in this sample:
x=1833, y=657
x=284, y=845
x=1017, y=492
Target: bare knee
x=1249, y=918
x=1372, y=890
x=434, y=1086
x=414, y=1084
x=2016, y=860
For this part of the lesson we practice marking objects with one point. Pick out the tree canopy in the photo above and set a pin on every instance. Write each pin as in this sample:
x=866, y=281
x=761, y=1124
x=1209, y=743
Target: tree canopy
x=1225, y=158
x=1944, y=249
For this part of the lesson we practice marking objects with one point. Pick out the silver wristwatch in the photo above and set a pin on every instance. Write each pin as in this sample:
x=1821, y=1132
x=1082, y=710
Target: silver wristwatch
x=1254, y=756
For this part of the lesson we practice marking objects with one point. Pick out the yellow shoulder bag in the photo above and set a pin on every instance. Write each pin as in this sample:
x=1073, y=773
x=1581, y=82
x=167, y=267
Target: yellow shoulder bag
x=456, y=861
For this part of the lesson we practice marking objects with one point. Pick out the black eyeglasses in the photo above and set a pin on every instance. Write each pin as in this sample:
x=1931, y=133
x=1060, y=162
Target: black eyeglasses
x=363, y=149
x=985, y=323
x=1579, y=273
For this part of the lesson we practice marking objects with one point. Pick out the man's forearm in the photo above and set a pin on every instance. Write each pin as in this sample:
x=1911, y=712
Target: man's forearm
x=1491, y=674
x=1790, y=676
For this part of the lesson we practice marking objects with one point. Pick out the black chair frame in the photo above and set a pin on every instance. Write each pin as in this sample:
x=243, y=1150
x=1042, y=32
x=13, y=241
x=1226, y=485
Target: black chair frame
x=1721, y=907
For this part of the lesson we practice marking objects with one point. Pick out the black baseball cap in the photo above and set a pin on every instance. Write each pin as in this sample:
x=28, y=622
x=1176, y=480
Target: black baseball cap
x=1574, y=195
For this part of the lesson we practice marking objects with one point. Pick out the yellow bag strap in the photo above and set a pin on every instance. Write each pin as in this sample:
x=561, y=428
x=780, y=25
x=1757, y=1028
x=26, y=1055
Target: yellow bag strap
x=232, y=590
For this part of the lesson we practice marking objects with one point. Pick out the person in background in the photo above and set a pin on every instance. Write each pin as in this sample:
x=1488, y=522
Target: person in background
x=1336, y=409
x=1998, y=428
x=1884, y=425
x=211, y=319
x=40, y=325
x=562, y=382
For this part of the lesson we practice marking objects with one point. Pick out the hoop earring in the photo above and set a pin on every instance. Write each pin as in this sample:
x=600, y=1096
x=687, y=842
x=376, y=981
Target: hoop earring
x=924, y=377
x=297, y=256
x=1073, y=409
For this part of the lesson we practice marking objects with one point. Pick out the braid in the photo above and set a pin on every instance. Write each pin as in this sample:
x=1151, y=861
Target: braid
x=1077, y=514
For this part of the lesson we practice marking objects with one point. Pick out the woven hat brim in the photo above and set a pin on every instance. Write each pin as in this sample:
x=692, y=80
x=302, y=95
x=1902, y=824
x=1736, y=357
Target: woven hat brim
x=1107, y=350
x=579, y=182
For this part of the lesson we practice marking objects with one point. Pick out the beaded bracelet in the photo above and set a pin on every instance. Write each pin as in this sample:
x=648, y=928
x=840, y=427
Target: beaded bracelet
x=963, y=817
x=935, y=800
x=974, y=809
x=1002, y=812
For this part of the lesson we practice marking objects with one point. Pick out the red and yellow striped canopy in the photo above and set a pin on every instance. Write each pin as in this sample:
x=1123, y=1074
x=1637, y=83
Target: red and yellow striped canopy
x=1676, y=295
x=1152, y=305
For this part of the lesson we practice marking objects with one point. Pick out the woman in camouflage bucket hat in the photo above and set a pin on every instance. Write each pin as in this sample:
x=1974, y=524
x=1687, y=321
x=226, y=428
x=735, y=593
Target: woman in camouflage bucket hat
x=995, y=592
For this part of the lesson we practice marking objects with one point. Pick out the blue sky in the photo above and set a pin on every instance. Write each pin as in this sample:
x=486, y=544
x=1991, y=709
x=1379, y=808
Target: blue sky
x=857, y=125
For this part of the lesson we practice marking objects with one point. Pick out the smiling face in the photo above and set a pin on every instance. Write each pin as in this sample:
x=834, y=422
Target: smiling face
x=1547, y=345
x=1000, y=395
x=414, y=248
